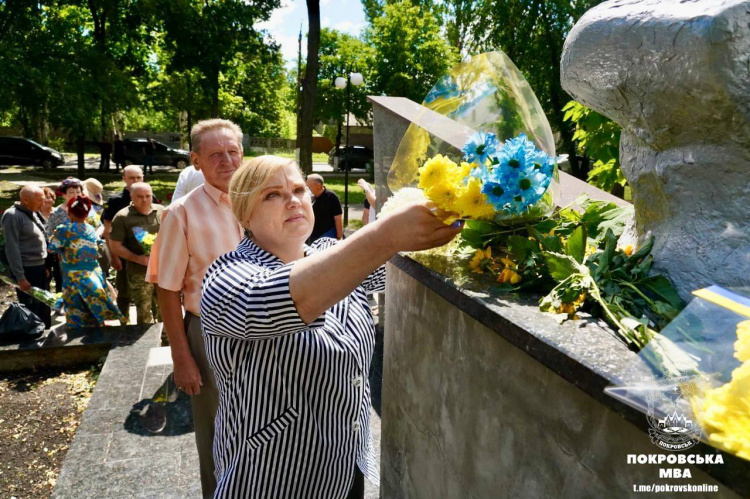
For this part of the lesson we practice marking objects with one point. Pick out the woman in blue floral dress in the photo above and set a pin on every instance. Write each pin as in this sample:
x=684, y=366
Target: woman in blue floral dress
x=87, y=302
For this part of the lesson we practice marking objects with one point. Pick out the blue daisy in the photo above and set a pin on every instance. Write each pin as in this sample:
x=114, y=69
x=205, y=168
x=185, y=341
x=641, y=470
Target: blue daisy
x=480, y=147
x=529, y=190
x=497, y=194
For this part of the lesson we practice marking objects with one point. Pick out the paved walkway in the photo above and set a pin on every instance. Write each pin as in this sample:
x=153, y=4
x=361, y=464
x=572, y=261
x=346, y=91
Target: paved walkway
x=136, y=437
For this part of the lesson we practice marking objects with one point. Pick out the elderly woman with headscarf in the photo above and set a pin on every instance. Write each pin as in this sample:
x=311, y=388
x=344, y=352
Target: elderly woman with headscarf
x=85, y=296
x=289, y=334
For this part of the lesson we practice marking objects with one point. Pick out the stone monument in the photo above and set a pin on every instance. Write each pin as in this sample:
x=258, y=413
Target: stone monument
x=675, y=74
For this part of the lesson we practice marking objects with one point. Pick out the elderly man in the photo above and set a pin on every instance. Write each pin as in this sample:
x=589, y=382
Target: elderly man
x=26, y=248
x=327, y=209
x=130, y=175
x=196, y=230
x=129, y=227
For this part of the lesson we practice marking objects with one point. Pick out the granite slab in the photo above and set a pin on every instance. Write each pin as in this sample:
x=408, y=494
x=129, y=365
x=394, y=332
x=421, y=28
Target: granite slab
x=136, y=437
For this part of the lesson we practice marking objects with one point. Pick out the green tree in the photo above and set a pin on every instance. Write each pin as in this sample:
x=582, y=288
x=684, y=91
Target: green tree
x=72, y=64
x=532, y=34
x=256, y=104
x=597, y=139
x=410, y=53
x=340, y=54
x=205, y=36
x=376, y=8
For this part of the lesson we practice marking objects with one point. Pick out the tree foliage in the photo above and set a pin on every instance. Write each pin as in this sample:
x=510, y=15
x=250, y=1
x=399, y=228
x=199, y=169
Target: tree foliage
x=88, y=68
x=532, y=33
x=597, y=139
x=410, y=52
x=341, y=53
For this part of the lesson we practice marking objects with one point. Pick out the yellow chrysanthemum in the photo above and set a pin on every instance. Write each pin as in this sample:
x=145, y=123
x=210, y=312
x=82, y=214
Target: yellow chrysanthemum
x=509, y=275
x=444, y=194
x=742, y=345
x=570, y=308
x=464, y=170
x=482, y=261
x=471, y=203
x=726, y=413
x=149, y=239
x=436, y=170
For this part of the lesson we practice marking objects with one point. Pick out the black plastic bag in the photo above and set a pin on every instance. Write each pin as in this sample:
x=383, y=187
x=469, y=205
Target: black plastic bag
x=18, y=323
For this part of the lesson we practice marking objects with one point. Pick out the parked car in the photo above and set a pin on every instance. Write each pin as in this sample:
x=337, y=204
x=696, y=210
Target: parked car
x=25, y=152
x=355, y=157
x=163, y=155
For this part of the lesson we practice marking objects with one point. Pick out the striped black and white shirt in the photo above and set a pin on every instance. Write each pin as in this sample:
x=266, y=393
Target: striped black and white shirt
x=294, y=399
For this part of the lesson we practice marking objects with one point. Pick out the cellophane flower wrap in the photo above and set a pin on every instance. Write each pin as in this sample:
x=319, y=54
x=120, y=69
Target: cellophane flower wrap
x=144, y=238
x=699, y=367
x=499, y=163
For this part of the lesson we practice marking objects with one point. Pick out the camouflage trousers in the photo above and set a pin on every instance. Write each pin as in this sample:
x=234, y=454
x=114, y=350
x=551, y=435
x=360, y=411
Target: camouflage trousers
x=143, y=296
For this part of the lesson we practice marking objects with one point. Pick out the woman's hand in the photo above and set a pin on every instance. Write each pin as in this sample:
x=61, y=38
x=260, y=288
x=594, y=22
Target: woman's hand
x=416, y=227
x=344, y=266
x=187, y=375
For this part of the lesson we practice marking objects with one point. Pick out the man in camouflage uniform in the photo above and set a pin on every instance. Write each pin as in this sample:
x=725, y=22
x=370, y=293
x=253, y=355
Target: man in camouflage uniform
x=129, y=226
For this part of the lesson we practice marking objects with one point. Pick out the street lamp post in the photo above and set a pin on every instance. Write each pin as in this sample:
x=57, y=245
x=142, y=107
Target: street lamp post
x=341, y=83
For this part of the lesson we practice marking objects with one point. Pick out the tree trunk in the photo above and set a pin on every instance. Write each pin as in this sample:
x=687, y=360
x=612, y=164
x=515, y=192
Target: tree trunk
x=215, y=93
x=557, y=95
x=80, y=143
x=309, y=88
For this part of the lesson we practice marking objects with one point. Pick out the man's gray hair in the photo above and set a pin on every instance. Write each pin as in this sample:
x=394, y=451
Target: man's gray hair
x=316, y=177
x=206, y=126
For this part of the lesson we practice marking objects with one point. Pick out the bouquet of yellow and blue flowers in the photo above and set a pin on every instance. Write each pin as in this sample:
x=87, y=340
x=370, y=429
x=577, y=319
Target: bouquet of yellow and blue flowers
x=144, y=238
x=492, y=162
x=494, y=182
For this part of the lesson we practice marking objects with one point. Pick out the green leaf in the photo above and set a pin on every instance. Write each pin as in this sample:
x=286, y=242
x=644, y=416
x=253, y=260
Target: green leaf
x=644, y=250
x=521, y=247
x=576, y=245
x=562, y=266
x=546, y=226
x=601, y=216
x=662, y=288
x=502, y=289
x=472, y=237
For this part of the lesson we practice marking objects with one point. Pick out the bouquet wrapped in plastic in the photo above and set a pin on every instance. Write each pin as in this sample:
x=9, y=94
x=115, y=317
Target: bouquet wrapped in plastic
x=52, y=300
x=693, y=380
x=145, y=238
x=503, y=167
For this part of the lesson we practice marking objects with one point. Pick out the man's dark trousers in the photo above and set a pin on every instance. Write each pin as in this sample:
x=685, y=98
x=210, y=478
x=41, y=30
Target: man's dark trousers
x=37, y=277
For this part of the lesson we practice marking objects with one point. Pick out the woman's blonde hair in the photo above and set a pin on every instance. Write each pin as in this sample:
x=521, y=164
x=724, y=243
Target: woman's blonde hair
x=250, y=179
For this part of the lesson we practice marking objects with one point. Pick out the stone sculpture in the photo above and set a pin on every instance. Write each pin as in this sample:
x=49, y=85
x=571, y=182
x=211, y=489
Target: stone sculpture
x=675, y=74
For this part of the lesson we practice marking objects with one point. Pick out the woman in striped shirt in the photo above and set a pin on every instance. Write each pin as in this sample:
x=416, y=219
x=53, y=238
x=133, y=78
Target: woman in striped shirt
x=289, y=335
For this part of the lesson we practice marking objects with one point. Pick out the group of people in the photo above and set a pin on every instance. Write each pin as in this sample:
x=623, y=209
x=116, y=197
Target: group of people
x=270, y=336
x=116, y=152
x=277, y=336
x=76, y=244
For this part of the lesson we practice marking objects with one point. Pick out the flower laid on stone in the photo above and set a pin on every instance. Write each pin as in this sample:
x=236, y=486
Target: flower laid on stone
x=571, y=258
x=724, y=412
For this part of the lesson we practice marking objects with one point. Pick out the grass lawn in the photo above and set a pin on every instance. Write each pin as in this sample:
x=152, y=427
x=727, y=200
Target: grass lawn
x=356, y=196
x=317, y=157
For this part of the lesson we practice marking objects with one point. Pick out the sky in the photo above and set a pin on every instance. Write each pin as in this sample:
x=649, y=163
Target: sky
x=347, y=16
